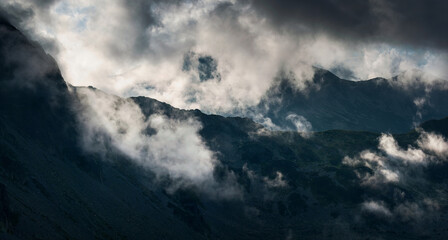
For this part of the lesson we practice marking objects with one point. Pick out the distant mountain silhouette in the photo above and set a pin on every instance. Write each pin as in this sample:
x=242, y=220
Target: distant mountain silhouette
x=378, y=104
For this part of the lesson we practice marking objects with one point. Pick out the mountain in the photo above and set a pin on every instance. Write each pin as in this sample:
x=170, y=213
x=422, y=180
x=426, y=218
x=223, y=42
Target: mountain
x=378, y=104
x=329, y=185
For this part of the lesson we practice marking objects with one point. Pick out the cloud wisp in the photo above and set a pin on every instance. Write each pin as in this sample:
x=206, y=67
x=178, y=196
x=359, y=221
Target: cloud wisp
x=405, y=211
x=265, y=187
x=302, y=125
x=391, y=163
x=393, y=166
x=436, y=144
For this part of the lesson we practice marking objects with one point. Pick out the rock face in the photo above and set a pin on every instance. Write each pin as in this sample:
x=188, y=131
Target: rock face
x=377, y=105
x=289, y=186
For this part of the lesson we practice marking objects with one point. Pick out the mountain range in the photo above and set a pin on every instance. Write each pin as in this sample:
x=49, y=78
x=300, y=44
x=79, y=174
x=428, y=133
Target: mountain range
x=353, y=182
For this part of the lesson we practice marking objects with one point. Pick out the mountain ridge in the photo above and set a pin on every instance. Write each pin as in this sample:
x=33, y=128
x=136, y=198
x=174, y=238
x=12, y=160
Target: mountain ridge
x=374, y=105
x=51, y=187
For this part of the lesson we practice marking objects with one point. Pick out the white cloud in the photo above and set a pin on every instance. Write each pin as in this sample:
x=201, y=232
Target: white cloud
x=392, y=164
x=265, y=121
x=383, y=172
x=302, y=125
x=175, y=149
x=434, y=143
x=377, y=208
x=390, y=147
x=390, y=176
x=351, y=161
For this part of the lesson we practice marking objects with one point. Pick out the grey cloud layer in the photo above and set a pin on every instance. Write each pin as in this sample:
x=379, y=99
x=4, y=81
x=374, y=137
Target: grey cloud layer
x=399, y=21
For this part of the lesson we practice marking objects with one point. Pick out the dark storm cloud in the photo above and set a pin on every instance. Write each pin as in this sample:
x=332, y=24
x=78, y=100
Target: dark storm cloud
x=414, y=22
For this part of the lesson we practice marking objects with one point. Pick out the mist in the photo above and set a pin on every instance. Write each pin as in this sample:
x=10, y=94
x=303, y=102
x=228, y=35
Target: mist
x=168, y=147
x=396, y=168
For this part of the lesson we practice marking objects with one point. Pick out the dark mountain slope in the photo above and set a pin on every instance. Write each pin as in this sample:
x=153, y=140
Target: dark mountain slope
x=52, y=189
x=378, y=104
x=33, y=94
x=291, y=187
x=321, y=190
x=436, y=126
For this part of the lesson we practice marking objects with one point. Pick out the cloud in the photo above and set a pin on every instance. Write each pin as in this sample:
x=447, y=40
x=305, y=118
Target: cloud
x=265, y=121
x=409, y=211
x=277, y=182
x=383, y=171
x=390, y=147
x=302, y=125
x=377, y=208
x=412, y=22
x=165, y=146
x=434, y=143
x=405, y=211
x=392, y=163
x=264, y=186
x=393, y=167
x=139, y=47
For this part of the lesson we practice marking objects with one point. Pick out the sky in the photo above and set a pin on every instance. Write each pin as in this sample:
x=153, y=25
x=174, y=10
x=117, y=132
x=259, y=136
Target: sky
x=222, y=56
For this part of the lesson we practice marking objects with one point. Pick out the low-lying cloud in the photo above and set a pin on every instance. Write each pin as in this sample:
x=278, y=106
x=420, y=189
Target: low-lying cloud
x=264, y=186
x=277, y=182
x=167, y=147
x=390, y=147
x=436, y=144
x=376, y=207
x=391, y=162
x=405, y=211
x=302, y=125
x=391, y=166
